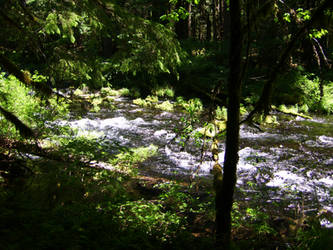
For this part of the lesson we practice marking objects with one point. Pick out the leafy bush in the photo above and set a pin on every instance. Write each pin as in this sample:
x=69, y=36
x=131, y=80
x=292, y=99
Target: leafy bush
x=297, y=87
x=107, y=91
x=327, y=101
x=310, y=92
x=164, y=92
x=166, y=106
x=141, y=102
x=221, y=113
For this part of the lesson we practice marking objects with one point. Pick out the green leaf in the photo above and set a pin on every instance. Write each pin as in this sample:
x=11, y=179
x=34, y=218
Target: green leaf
x=286, y=17
x=72, y=38
x=162, y=66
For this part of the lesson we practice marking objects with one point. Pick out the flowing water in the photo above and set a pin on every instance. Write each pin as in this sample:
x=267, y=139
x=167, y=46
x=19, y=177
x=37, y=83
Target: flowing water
x=291, y=162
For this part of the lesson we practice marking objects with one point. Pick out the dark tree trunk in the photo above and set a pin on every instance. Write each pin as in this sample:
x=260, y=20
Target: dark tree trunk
x=224, y=197
x=209, y=27
x=221, y=19
x=189, y=20
x=226, y=20
x=214, y=20
x=194, y=24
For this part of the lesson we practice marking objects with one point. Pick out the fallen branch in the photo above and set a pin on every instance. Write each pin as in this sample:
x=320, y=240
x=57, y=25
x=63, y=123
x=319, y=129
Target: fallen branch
x=292, y=113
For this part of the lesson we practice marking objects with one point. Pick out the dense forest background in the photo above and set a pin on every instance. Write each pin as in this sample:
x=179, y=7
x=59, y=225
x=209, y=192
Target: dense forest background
x=238, y=62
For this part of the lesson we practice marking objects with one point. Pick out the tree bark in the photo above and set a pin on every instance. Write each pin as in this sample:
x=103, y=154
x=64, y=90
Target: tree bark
x=224, y=197
x=189, y=21
x=209, y=27
x=221, y=18
x=214, y=20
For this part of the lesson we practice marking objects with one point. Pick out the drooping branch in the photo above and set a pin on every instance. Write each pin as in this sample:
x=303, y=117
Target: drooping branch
x=24, y=130
x=326, y=60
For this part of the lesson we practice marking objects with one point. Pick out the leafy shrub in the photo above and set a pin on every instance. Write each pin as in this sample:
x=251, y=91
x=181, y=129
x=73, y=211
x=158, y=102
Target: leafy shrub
x=107, y=91
x=152, y=99
x=141, y=102
x=310, y=92
x=303, y=89
x=221, y=113
x=327, y=101
x=166, y=105
x=192, y=106
x=164, y=92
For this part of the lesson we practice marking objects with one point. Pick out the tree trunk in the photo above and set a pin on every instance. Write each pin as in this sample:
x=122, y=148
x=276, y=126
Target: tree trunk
x=209, y=27
x=221, y=18
x=224, y=197
x=226, y=20
x=189, y=21
x=214, y=20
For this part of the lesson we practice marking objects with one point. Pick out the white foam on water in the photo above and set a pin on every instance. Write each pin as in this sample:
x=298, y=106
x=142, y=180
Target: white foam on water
x=326, y=223
x=321, y=141
x=287, y=179
x=138, y=121
x=116, y=122
x=161, y=132
x=325, y=140
x=328, y=182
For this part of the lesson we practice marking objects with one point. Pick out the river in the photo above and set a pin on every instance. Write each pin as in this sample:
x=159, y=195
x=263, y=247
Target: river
x=291, y=162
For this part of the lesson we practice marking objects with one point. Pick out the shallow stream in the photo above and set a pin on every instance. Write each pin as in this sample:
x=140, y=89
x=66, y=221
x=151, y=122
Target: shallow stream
x=291, y=162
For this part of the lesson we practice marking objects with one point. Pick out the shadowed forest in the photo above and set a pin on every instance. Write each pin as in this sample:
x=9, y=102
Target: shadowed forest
x=166, y=124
